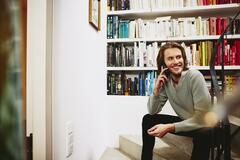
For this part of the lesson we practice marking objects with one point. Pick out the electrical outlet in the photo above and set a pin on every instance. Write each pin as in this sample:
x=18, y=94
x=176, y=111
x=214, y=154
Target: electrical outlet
x=69, y=139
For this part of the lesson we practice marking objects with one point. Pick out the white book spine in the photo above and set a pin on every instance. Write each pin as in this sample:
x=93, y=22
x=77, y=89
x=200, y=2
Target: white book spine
x=147, y=30
x=185, y=27
x=152, y=4
x=148, y=52
x=155, y=53
x=194, y=48
x=152, y=29
x=181, y=5
x=193, y=26
x=189, y=55
x=188, y=3
x=135, y=54
x=180, y=28
x=123, y=53
x=204, y=27
x=158, y=28
x=207, y=27
x=193, y=3
x=131, y=4
x=141, y=4
x=144, y=28
x=137, y=28
x=158, y=4
x=200, y=26
x=132, y=29
x=141, y=54
x=162, y=4
x=144, y=4
x=150, y=55
x=170, y=3
x=140, y=28
x=137, y=4
x=144, y=48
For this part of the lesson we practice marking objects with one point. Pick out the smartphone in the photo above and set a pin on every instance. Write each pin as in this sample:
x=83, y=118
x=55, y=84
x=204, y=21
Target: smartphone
x=166, y=72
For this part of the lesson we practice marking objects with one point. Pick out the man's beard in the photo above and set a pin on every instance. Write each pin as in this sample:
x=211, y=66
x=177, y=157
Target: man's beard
x=177, y=75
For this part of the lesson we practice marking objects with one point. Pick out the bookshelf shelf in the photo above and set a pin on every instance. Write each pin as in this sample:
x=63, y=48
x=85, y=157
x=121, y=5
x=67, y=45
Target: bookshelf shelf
x=192, y=38
x=230, y=68
x=196, y=10
x=131, y=68
x=216, y=67
x=132, y=97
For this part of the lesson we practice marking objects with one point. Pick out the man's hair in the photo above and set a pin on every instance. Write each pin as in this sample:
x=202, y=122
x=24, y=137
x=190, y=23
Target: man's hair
x=160, y=57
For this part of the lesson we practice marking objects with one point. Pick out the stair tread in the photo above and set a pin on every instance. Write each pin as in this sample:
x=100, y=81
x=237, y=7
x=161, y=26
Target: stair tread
x=113, y=154
x=181, y=142
x=169, y=147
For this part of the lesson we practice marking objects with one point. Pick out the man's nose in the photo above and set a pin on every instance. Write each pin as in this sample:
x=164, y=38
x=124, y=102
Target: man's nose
x=175, y=60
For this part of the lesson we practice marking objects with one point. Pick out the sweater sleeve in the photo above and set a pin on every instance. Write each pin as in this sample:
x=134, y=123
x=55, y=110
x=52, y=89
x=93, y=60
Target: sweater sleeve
x=202, y=104
x=156, y=103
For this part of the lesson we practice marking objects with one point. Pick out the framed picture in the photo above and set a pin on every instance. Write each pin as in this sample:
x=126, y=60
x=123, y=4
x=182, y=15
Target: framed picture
x=94, y=13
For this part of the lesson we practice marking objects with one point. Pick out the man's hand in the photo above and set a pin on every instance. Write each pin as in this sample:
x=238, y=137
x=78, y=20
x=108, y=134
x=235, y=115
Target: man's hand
x=161, y=130
x=159, y=82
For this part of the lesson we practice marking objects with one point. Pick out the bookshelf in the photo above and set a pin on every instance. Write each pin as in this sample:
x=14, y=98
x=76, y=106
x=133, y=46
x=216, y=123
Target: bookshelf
x=201, y=68
x=192, y=38
x=227, y=9
x=128, y=71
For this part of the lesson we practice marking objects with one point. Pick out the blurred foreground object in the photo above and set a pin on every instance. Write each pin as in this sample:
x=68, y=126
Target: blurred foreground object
x=11, y=135
x=230, y=106
x=233, y=101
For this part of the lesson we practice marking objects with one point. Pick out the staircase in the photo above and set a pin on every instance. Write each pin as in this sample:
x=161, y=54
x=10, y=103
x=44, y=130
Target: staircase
x=171, y=147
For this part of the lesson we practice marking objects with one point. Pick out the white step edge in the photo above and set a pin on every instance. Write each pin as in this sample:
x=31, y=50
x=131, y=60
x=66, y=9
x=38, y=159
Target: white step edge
x=113, y=154
x=166, y=148
x=234, y=120
x=130, y=146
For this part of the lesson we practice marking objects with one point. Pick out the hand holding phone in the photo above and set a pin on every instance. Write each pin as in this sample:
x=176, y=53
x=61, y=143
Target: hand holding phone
x=165, y=70
x=160, y=80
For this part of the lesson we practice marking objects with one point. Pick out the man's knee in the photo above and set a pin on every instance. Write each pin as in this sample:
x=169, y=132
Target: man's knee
x=146, y=120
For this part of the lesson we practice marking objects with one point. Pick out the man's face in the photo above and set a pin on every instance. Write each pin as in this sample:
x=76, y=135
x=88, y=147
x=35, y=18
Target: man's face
x=174, y=61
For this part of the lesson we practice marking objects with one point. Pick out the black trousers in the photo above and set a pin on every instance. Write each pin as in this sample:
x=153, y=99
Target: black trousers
x=201, y=137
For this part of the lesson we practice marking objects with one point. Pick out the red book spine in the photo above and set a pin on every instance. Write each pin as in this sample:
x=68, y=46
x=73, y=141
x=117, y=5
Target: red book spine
x=218, y=26
x=233, y=53
x=212, y=26
x=226, y=53
x=226, y=1
x=224, y=24
x=219, y=51
x=204, y=2
x=200, y=2
x=237, y=44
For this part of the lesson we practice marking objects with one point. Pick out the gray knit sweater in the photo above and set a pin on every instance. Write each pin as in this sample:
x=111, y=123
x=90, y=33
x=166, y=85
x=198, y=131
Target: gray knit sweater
x=190, y=99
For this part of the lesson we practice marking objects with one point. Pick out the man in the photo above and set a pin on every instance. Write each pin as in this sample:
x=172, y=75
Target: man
x=188, y=95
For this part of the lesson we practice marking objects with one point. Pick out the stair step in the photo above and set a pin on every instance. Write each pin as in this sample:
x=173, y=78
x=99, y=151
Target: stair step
x=181, y=142
x=167, y=148
x=113, y=154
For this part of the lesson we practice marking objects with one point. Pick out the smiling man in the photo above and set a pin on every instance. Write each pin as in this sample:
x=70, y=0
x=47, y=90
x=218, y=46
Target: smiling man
x=189, y=97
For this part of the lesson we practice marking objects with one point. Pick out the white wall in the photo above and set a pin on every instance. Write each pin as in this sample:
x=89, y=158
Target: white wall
x=79, y=86
x=78, y=81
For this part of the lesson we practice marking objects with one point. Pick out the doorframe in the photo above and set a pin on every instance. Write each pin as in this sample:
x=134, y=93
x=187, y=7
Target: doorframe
x=39, y=77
